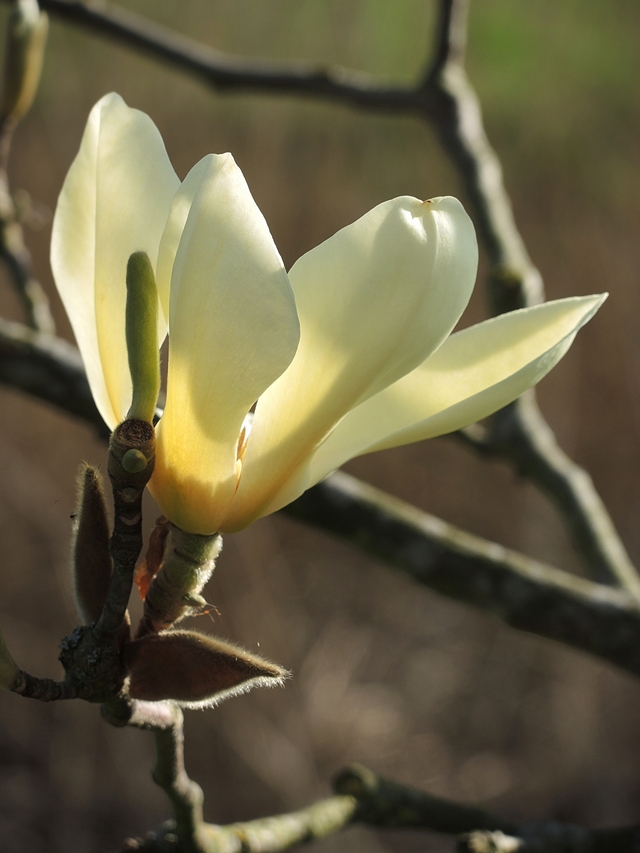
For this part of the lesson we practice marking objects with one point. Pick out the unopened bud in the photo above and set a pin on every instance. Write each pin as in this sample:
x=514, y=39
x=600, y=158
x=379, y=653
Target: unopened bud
x=27, y=30
x=193, y=669
x=142, y=336
x=92, y=566
x=134, y=461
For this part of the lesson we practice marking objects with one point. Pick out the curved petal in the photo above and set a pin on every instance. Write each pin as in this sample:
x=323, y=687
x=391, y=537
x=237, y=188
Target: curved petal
x=473, y=374
x=114, y=201
x=374, y=301
x=177, y=219
x=233, y=331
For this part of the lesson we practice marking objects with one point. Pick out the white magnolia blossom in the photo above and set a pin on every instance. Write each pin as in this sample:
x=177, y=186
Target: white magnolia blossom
x=350, y=352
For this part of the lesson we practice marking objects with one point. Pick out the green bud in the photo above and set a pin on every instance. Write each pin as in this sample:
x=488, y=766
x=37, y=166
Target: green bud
x=9, y=670
x=142, y=337
x=134, y=461
x=26, y=39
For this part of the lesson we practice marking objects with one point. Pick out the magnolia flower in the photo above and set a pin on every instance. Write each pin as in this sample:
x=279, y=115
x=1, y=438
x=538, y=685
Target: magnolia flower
x=349, y=353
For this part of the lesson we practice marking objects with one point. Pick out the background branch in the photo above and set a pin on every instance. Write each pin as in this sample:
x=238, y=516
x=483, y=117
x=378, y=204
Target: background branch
x=48, y=368
x=522, y=592
x=552, y=837
x=16, y=256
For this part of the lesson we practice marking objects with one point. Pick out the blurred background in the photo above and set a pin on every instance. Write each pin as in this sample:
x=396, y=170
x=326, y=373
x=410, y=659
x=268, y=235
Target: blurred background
x=415, y=686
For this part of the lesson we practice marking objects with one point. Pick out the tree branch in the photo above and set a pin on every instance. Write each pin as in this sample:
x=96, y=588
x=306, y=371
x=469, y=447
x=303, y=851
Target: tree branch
x=552, y=837
x=43, y=689
x=218, y=69
x=388, y=804
x=170, y=774
x=48, y=368
x=363, y=797
x=520, y=433
x=16, y=256
x=522, y=592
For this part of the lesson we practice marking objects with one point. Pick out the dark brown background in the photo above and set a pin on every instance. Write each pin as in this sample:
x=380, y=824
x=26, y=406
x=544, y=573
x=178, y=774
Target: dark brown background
x=385, y=673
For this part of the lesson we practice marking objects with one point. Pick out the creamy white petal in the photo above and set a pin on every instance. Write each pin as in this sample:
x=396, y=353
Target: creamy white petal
x=114, y=201
x=374, y=301
x=473, y=374
x=180, y=207
x=233, y=331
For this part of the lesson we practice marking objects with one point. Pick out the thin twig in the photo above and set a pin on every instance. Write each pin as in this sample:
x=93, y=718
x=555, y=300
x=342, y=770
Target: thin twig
x=17, y=258
x=384, y=803
x=170, y=774
x=361, y=797
x=48, y=368
x=520, y=433
x=218, y=69
x=43, y=689
x=552, y=837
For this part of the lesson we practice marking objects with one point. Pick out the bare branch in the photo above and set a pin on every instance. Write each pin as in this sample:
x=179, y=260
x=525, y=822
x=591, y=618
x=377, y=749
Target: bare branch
x=228, y=72
x=450, y=41
x=26, y=37
x=522, y=592
x=520, y=433
x=48, y=368
x=43, y=689
x=363, y=797
x=170, y=774
x=17, y=258
x=384, y=803
x=552, y=837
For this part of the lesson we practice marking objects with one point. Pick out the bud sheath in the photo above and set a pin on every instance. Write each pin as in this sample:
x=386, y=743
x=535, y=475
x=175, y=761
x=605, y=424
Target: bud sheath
x=26, y=39
x=194, y=669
